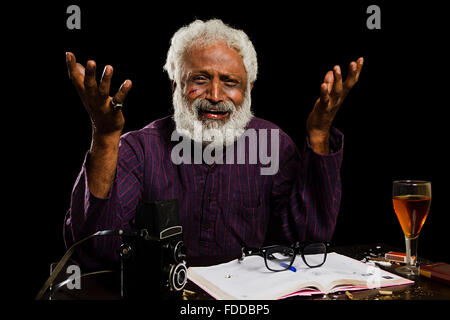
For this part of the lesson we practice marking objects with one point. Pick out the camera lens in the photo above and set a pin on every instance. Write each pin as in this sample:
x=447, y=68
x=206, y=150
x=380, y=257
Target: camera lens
x=126, y=250
x=181, y=278
x=179, y=252
x=178, y=277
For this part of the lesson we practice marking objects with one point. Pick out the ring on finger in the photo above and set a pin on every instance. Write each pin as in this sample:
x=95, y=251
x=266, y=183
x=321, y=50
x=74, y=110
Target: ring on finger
x=115, y=105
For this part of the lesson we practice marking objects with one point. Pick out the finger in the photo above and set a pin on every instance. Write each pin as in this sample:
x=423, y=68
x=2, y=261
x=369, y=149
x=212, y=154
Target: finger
x=70, y=63
x=324, y=95
x=360, y=63
x=328, y=80
x=105, y=81
x=120, y=96
x=80, y=72
x=354, y=70
x=75, y=71
x=90, y=83
x=76, y=74
x=337, y=85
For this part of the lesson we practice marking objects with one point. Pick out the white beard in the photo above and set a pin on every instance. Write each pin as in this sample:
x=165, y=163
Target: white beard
x=215, y=132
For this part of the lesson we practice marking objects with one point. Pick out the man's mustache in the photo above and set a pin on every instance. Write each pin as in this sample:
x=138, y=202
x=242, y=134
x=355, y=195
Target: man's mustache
x=201, y=104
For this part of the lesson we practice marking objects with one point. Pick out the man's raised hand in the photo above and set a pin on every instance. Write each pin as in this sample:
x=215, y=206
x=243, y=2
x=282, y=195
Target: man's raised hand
x=332, y=93
x=106, y=120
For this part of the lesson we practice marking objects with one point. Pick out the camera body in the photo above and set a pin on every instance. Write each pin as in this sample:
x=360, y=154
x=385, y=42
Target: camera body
x=153, y=254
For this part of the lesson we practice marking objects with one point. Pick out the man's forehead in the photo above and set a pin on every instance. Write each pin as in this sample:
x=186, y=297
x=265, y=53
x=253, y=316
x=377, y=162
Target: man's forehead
x=217, y=57
x=210, y=71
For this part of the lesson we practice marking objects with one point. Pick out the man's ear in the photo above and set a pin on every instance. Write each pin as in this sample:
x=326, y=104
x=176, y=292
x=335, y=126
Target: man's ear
x=174, y=85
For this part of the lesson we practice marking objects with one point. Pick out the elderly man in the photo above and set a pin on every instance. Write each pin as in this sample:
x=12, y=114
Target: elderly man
x=223, y=206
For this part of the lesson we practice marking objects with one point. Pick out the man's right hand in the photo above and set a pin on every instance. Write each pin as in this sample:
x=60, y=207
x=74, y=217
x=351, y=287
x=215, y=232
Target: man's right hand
x=106, y=122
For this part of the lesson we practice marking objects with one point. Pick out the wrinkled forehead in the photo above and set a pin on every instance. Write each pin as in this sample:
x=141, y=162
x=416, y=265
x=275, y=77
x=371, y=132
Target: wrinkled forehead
x=213, y=57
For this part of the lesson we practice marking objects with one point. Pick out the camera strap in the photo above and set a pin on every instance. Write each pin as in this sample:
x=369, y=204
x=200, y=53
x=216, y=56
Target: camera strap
x=69, y=252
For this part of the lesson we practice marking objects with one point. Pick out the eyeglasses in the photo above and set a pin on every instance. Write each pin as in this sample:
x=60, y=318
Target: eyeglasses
x=280, y=258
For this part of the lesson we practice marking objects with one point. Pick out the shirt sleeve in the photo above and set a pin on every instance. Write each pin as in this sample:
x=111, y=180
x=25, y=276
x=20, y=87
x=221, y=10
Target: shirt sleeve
x=88, y=214
x=307, y=190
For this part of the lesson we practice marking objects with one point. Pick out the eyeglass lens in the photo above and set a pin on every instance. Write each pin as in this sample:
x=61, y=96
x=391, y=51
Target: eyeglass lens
x=314, y=254
x=279, y=258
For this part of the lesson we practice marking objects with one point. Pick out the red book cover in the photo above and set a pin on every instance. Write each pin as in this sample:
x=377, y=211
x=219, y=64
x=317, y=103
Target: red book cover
x=439, y=271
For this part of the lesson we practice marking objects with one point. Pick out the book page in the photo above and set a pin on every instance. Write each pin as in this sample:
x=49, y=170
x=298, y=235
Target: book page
x=250, y=279
x=340, y=270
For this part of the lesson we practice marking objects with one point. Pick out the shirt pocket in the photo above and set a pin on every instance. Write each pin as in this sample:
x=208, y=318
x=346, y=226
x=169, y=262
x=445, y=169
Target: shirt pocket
x=250, y=199
x=247, y=221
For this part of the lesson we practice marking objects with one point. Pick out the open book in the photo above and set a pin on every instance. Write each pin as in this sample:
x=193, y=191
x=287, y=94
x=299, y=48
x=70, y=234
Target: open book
x=250, y=279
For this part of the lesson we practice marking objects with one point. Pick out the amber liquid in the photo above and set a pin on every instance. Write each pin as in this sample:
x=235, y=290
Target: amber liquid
x=411, y=211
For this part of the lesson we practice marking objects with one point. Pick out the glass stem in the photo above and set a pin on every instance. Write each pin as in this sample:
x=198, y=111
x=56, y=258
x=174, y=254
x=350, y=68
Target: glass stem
x=411, y=251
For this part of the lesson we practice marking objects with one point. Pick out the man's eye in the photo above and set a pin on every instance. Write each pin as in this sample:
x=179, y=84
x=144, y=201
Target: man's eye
x=231, y=83
x=200, y=79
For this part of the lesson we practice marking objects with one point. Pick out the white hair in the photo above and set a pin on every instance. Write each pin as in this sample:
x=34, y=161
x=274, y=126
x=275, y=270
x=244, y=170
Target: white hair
x=209, y=32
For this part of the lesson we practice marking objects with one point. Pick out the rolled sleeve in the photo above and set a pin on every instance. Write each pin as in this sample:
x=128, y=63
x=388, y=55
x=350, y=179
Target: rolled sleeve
x=311, y=189
x=89, y=214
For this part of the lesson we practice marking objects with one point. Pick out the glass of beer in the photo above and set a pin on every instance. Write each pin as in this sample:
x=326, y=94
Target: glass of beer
x=412, y=200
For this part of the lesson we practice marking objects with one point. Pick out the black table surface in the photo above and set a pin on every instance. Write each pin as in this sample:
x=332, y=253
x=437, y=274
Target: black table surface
x=106, y=286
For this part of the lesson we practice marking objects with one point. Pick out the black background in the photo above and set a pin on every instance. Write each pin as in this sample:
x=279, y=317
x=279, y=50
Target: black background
x=394, y=120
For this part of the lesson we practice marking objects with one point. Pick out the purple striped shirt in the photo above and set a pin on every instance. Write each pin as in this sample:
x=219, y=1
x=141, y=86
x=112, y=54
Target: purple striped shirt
x=222, y=206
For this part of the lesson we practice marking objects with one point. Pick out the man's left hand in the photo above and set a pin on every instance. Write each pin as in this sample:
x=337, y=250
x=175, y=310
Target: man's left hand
x=332, y=93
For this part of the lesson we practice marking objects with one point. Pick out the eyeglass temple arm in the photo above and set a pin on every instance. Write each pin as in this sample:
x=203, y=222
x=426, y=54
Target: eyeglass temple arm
x=299, y=244
x=249, y=251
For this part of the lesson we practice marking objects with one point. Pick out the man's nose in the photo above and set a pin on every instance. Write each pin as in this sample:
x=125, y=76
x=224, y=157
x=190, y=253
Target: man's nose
x=215, y=93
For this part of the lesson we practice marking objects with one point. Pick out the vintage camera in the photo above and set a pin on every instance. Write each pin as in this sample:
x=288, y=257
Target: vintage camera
x=153, y=254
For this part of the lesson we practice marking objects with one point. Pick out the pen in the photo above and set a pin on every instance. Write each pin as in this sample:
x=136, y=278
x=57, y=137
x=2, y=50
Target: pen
x=286, y=265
